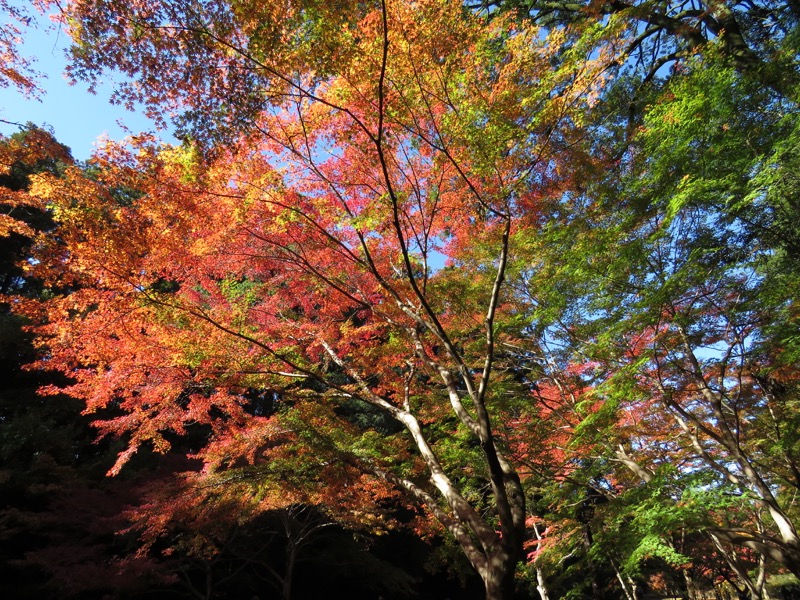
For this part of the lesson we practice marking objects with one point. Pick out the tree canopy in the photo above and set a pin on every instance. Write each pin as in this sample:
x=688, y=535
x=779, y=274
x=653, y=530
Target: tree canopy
x=519, y=277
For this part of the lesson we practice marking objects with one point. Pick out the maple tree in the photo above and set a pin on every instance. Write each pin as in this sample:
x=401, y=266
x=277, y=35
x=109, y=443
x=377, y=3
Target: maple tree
x=48, y=482
x=296, y=263
x=16, y=69
x=70, y=531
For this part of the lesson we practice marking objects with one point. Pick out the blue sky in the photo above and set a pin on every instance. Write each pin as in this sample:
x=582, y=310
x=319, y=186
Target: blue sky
x=77, y=117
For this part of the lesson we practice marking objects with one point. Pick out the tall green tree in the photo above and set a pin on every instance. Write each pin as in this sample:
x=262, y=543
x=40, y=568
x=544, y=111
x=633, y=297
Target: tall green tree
x=758, y=38
x=674, y=292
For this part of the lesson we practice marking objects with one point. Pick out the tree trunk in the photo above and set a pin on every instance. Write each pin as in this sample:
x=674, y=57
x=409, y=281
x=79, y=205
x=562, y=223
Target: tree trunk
x=691, y=588
x=291, y=560
x=498, y=577
x=541, y=585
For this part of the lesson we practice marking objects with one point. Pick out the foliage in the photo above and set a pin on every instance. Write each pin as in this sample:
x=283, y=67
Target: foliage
x=298, y=259
x=519, y=273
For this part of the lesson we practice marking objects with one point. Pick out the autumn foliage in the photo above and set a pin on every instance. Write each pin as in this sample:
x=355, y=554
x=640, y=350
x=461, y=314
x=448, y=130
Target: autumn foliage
x=521, y=278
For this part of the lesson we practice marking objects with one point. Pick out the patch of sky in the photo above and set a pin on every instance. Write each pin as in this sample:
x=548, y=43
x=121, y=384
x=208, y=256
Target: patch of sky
x=77, y=117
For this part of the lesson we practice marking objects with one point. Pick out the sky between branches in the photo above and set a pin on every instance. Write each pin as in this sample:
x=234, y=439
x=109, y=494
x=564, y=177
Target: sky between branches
x=77, y=117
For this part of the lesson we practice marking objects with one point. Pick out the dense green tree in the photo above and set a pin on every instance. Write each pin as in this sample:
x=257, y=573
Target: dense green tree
x=669, y=275
x=756, y=37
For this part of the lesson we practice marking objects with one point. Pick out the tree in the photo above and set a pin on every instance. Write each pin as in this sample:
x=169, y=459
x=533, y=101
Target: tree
x=297, y=262
x=51, y=482
x=758, y=38
x=670, y=293
x=16, y=70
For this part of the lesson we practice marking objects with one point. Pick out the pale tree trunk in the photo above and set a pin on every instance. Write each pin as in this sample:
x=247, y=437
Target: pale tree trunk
x=208, y=588
x=761, y=579
x=301, y=525
x=624, y=582
x=541, y=586
x=691, y=588
x=493, y=554
x=291, y=560
x=754, y=588
x=724, y=433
